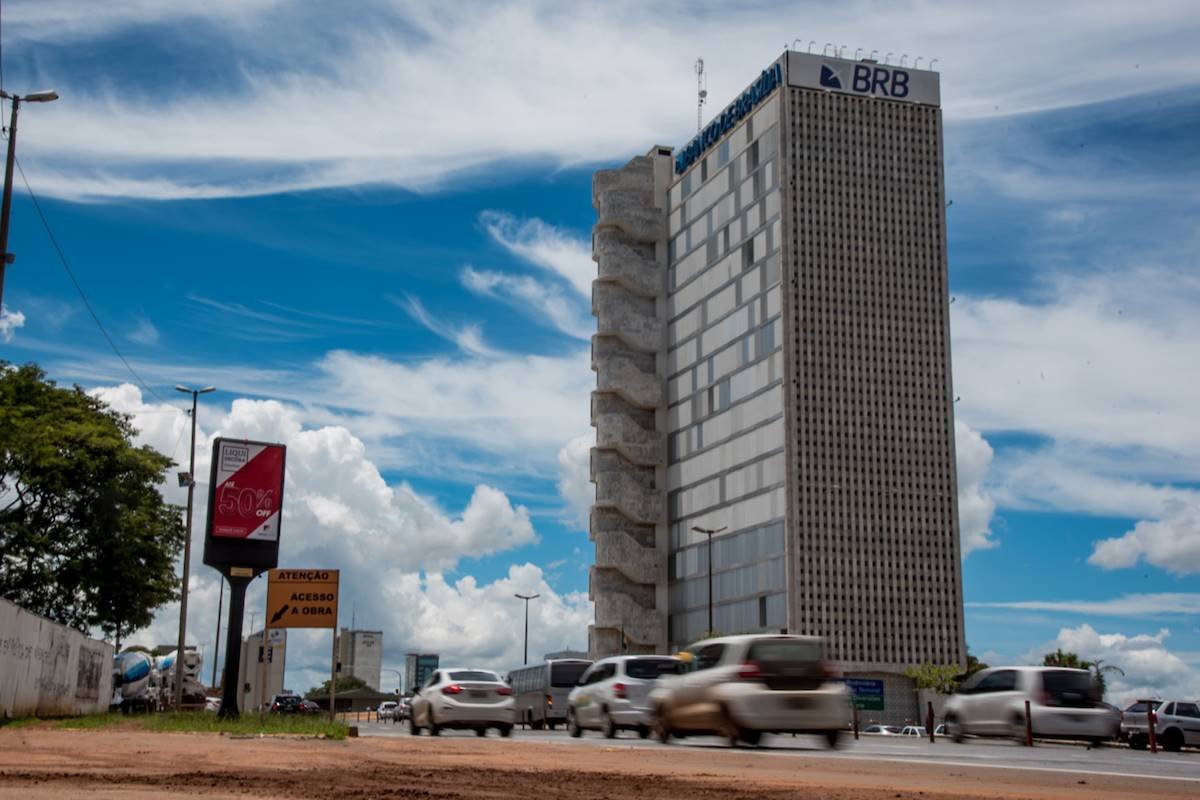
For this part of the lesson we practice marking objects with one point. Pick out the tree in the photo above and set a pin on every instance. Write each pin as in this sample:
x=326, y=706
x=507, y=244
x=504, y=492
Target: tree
x=345, y=683
x=1100, y=669
x=1065, y=659
x=85, y=536
x=941, y=678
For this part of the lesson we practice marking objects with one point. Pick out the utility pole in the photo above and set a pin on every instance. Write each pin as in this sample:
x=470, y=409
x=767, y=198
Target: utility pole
x=217, y=644
x=187, y=548
x=527, y=598
x=709, y=532
x=6, y=257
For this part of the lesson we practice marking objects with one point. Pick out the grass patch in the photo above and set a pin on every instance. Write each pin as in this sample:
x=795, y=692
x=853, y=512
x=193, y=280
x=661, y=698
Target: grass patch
x=19, y=722
x=89, y=721
x=247, y=724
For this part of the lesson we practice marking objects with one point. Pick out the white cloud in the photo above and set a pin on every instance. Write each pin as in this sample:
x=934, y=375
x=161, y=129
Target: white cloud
x=541, y=302
x=575, y=479
x=596, y=84
x=1172, y=542
x=553, y=249
x=975, y=505
x=144, y=333
x=341, y=513
x=1150, y=668
x=1127, y=605
x=9, y=322
x=468, y=338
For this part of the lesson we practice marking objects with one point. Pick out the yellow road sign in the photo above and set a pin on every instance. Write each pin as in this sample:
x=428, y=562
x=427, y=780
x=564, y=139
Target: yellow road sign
x=302, y=598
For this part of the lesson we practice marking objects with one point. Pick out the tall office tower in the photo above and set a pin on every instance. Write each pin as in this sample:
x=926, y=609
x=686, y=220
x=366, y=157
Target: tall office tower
x=417, y=669
x=797, y=364
x=361, y=654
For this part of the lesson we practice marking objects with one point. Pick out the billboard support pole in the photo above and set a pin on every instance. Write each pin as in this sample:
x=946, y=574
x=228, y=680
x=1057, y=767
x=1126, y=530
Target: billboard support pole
x=333, y=677
x=233, y=647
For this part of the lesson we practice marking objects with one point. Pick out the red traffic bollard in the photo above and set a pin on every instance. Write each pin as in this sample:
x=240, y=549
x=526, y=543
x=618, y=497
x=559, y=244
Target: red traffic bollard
x=1150, y=726
x=856, y=723
x=929, y=722
x=1028, y=726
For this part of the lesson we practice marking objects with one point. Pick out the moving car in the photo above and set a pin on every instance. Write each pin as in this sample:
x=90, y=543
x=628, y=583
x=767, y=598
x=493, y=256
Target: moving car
x=881, y=730
x=386, y=711
x=741, y=687
x=612, y=694
x=287, y=704
x=1176, y=723
x=474, y=699
x=1063, y=703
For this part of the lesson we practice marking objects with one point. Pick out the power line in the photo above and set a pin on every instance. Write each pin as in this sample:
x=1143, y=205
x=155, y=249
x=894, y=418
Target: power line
x=71, y=274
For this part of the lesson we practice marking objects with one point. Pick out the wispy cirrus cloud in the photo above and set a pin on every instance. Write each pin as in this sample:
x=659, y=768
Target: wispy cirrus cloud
x=1149, y=605
x=410, y=97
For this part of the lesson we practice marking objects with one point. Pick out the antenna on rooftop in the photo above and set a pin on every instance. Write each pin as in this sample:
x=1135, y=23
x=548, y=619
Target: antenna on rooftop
x=701, y=92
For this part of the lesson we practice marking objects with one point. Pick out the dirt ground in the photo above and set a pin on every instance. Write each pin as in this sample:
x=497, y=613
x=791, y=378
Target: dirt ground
x=45, y=764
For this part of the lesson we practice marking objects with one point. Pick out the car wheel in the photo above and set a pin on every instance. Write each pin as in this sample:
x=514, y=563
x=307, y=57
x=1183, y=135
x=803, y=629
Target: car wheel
x=750, y=737
x=729, y=730
x=573, y=725
x=413, y=728
x=550, y=724
x=833, y=739
x=505, y=731
x=1137, y=742
x=434, y=728
x=643, y=731
x=481, y=731
x=954, y=731
x=607, y=726
x=1172, y=740
x=537, y=724
x=662, y=727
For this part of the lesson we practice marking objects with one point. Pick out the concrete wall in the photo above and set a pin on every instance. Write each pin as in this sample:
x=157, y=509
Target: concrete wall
x=49, y=670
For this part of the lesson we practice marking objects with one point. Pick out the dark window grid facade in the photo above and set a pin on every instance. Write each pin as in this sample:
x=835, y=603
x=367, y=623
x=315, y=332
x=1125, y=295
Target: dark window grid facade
x=877, y=550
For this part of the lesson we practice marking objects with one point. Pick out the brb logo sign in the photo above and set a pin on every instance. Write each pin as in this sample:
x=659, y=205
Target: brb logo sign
x=869, y=79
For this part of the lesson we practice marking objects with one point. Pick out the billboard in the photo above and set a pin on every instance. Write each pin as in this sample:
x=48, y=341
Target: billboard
x=245, y=504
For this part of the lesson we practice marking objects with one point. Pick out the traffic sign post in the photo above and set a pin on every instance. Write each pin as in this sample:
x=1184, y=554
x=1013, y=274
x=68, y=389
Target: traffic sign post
x=306, y=598
x=241, y=541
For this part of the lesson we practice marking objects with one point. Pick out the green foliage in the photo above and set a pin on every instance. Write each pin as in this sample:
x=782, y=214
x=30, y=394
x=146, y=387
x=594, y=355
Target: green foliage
x=293, y=724
x=345, y=683
x=85, y=536
x=973, y=665
x=90, y=722
x=1065, y=659
x=941, y=678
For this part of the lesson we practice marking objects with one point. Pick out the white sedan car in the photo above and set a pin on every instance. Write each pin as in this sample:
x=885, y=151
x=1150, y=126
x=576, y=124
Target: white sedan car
x=474, y=699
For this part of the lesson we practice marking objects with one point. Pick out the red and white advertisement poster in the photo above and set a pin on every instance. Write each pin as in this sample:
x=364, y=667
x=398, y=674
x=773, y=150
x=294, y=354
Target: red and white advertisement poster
x=247, y=491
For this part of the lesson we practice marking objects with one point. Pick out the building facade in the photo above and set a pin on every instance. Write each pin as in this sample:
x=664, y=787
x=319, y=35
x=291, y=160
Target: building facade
x=773, y=366
x=361, y=654
x=260, y=673
x=417, y=669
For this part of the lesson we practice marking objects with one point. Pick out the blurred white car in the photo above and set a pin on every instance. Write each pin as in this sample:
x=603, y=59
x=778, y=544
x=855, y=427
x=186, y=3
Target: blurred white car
x=914, y=730
x=475, y=699
x=1063, y=703
x=386, y=711
x=741, y=687
x=612, y=694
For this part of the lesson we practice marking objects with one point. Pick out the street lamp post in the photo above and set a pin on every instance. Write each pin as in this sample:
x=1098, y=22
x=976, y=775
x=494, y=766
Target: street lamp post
x=527, y=598
x=6, y=257
x=709, y=532
x=187, y=548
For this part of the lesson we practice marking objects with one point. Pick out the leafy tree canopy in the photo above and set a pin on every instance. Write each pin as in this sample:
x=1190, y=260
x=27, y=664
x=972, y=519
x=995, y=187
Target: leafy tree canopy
x=344, y=684
x=86, y=538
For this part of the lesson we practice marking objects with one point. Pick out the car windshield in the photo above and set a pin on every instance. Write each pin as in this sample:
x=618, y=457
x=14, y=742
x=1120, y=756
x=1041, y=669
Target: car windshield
x=566, y=673
x=1068, y=686
x=1140, y=707
x=474, y=675
x=784, y=652
x=893, y=729
x=648, y=669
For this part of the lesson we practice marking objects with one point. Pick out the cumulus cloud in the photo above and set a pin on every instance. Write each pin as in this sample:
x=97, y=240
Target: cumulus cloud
x=9, y=322
x=393, y=544
x=575, y=479
x=975, y=505
x=1150, y=668
x=1172, y=542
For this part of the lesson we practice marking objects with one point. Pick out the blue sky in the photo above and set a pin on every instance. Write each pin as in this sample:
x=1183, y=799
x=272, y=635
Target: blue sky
x=371, y=232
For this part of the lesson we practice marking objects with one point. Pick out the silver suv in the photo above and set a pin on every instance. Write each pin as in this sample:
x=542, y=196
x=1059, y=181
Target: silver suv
x=612, y=694
x=741, y=687
x=1176, y=723
x=1063, y=703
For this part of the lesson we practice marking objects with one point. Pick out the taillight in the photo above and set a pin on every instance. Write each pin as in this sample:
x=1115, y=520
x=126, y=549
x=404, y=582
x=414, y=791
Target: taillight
x=549, y=700
x=453, y=688
x=619, y=690
x=504, y=691
x=749, y=671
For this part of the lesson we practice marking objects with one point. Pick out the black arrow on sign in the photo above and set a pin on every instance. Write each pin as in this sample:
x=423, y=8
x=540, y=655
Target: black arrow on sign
x=279, y=614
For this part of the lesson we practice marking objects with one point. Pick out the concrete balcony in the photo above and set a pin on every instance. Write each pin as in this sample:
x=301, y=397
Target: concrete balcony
x=625, y=261
x=621, y=433
x=619, y=551
x=604, y=642
x=631, y=318
x=622, y=491
x=638, y=173
x=604, y=403
x=619, y=611
x=633, y=212
x=622, y=375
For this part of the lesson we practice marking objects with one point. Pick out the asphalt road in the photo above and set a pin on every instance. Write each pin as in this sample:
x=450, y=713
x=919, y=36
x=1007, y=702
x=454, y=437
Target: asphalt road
x=1064, y=757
